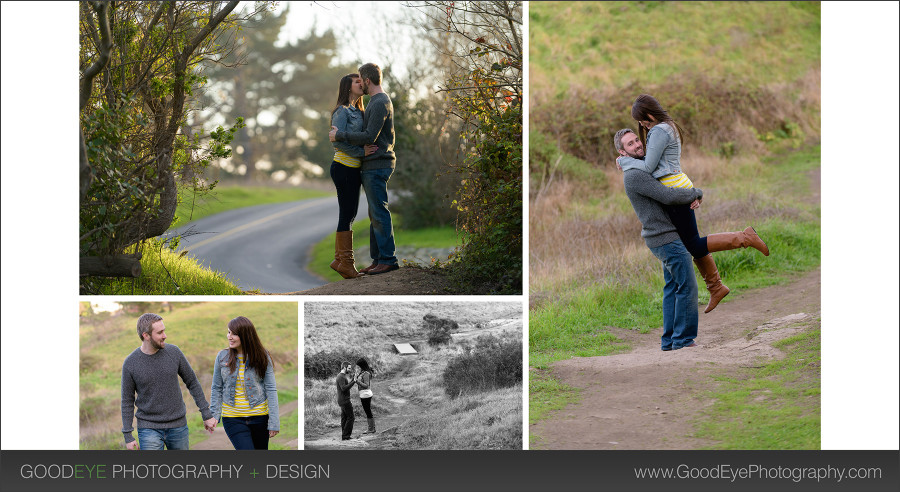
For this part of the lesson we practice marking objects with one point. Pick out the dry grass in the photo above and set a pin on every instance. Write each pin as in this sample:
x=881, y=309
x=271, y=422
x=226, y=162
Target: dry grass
x=578, y=238
x=483, y=421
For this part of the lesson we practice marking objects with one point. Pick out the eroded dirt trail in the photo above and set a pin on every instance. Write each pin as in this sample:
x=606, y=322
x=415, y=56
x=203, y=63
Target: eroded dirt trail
x=647, y=398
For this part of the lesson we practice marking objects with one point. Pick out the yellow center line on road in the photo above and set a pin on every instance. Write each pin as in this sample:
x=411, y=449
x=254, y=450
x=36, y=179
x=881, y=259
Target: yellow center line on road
x=256, y=223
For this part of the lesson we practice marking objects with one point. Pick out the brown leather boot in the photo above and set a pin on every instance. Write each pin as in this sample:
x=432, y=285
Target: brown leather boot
x=733, y=240
x=369, y=268
x=343, y=255
x=709, y=272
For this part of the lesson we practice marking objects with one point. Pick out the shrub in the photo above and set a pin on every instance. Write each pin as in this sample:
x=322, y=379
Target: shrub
x=439, y=329
x=326, y=364
x=725, y=117
x=492, y=363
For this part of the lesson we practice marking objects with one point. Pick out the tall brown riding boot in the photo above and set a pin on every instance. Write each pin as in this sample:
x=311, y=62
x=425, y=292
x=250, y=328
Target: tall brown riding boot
x=343, y=255
x=733, y=240
x=709, y=272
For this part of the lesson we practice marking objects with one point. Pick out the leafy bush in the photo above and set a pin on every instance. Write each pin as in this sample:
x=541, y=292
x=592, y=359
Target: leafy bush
x=492, y=363
x=486, y=95
x=490, y=205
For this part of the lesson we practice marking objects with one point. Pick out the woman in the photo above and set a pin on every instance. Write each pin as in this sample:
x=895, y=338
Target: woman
x=347, y=116
x=364, y=375
x=243, y=395
x=662, y=139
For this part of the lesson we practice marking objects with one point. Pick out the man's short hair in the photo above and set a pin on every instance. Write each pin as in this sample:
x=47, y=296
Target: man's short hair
x=617, y=140
x=344, y=365
x=372, y=72
x=145, y=324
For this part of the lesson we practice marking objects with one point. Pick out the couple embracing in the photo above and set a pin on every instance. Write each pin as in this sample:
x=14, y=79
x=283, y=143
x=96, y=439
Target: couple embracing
x=362, y=379
x=243, y=398
x=363, y=140
x=664, y=199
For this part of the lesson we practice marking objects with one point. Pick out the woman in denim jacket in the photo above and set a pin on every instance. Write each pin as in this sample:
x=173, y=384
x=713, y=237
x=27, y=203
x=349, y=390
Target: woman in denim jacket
x=345, y=170
x=243, y=394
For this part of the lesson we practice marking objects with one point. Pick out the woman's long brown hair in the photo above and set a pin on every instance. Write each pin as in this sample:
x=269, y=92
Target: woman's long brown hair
x=343, y=98
x=255, y=355
x=645, y=106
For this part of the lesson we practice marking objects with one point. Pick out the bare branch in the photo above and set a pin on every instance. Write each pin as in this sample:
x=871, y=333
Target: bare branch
x=100, y=8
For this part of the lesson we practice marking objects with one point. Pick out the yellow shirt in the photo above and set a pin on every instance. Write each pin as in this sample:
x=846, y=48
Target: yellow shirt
x=241, y=406
x=346, y=159
x=679, y=180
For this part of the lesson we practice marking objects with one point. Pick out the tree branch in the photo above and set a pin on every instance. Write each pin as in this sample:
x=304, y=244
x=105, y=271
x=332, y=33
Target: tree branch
x=105, y=46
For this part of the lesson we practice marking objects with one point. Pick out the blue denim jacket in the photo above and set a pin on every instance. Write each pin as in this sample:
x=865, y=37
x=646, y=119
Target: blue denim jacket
x=662, y=156
x=348, y=119
x=258, y=389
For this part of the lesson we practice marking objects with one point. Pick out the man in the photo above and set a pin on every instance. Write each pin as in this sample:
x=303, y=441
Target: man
x=680, y=316
x=344, y=382
x=152, y=372
x=376, y=170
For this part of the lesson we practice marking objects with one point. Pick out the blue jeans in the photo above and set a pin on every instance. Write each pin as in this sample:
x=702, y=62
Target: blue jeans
x=159, y=439
x=247, y=432
x=381, y=231
x=680, y=316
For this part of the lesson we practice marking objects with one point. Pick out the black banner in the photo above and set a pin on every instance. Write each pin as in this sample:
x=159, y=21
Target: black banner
x=518, y=471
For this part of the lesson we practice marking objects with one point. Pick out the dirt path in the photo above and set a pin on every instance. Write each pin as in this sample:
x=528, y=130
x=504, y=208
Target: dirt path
x=647, y=398
x=399, y=410
x=219, y=439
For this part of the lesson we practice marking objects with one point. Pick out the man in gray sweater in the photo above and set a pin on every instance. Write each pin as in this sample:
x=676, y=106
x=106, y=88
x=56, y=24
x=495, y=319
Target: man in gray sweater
x=152, y=372
x=343, y=383
x=680, y=316
x=376, y=170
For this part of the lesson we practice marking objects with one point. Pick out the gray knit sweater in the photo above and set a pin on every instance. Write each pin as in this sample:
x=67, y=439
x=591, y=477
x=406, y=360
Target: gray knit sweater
x=647, y=197
x=155, y=380
x=378, y=128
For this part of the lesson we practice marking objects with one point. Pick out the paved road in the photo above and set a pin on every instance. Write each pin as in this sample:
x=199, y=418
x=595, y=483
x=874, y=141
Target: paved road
x=264, y=247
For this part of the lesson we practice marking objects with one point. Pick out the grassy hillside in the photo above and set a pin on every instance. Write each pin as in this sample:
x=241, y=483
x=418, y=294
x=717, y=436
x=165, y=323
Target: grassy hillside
x=199, y=330
x=735, y=75
x=615, y=44
x=366, y=323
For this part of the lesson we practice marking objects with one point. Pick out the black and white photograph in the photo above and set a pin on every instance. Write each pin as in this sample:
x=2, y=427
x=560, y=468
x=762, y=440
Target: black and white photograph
x=413, y=375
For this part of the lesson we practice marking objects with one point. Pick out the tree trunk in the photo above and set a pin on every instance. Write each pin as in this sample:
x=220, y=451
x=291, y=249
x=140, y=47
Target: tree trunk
x=115, y=266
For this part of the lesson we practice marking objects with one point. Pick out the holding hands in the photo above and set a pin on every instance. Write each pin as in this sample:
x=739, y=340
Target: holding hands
x=210, y=425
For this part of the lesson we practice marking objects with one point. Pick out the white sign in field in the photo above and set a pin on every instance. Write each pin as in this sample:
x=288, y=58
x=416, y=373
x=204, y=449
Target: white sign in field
x=405, y=349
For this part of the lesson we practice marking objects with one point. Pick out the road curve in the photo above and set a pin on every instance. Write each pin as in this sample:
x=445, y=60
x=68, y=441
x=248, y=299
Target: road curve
x=264, y=247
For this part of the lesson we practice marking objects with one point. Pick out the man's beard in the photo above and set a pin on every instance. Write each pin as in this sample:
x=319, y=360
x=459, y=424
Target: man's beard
x=155, y=345
x=634, y=156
